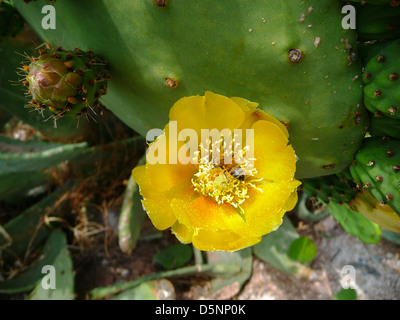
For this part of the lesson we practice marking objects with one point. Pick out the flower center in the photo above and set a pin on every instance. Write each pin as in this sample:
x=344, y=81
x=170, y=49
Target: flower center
x=223, y=177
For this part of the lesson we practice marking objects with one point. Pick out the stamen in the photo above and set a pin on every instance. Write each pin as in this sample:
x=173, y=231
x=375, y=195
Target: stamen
x=222, y=177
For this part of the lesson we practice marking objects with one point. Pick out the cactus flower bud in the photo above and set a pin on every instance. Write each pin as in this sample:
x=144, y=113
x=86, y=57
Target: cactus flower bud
x=66, y=82
x=51, y=83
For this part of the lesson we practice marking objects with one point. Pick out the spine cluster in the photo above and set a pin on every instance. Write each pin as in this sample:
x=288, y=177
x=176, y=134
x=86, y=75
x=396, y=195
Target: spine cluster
x=68, y=83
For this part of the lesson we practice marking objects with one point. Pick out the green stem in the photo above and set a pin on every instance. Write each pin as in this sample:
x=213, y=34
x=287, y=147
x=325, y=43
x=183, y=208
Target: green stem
x=103, y=292
x=198, y=256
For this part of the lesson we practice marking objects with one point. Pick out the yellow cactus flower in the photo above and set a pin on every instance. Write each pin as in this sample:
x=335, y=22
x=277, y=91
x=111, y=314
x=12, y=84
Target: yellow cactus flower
x=221, y=175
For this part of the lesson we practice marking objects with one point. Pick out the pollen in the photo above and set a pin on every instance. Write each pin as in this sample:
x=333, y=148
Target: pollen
x=225, y=173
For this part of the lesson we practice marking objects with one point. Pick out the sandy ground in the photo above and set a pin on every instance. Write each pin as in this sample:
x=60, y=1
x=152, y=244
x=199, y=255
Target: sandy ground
x=377, y=270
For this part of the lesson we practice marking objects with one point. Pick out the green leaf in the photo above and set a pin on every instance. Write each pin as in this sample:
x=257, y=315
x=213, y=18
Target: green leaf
x=54, y=253
x=242, y=259
x=4, y=117
x=303, y=250
x=131, y=216
x=15, y=187
x=305, y=214
x=64, y=276
x=391, y=236
x=5, y=239
x=355, y=223
x=144, y=291
x=150, y=290
x=45, y=156
x=103, y=153
x=173, y=257
x=346, y=294
x=206, y=269
x=274, y=247
x=27, y=230
x=23, y=166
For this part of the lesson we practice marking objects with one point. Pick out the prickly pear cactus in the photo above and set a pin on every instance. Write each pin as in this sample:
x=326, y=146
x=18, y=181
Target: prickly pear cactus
x=376, y=22
x=11, y=22
x=380, y=126
x=293, y=57
x=377, y=168
x=66, y=82
x=393, y=3
x=333, y=92
x=336, y=188
x=381, y=78
x=352, y=205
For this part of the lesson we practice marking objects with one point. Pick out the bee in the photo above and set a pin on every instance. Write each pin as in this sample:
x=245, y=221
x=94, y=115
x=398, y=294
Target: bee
x=235, y=171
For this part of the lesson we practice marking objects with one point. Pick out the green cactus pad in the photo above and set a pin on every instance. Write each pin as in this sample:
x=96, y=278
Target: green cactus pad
x=382, y=83
x=384, y=127
x=377, y=22
x=336, y=188
x=377, y=168
x=11, y=22
x=66, y=82
x=292, y=57
x=392, y=3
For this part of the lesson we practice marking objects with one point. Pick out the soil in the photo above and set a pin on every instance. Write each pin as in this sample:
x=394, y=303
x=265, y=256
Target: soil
x=377, y=269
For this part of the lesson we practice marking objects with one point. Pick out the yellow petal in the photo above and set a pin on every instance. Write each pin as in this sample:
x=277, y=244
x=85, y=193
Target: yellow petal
x=201, y=212
x=264, y=211
x=252, y=115
x=291, y=201
x=157, y=203
x=247, y=106
x=159, y=211
x=183, y=233
x=268, y=135
x=213, y=111
x=140, y=176
x=164, y=176
x=222, y=112
x=275, y=160
x=189, y=112
x=225, y=240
